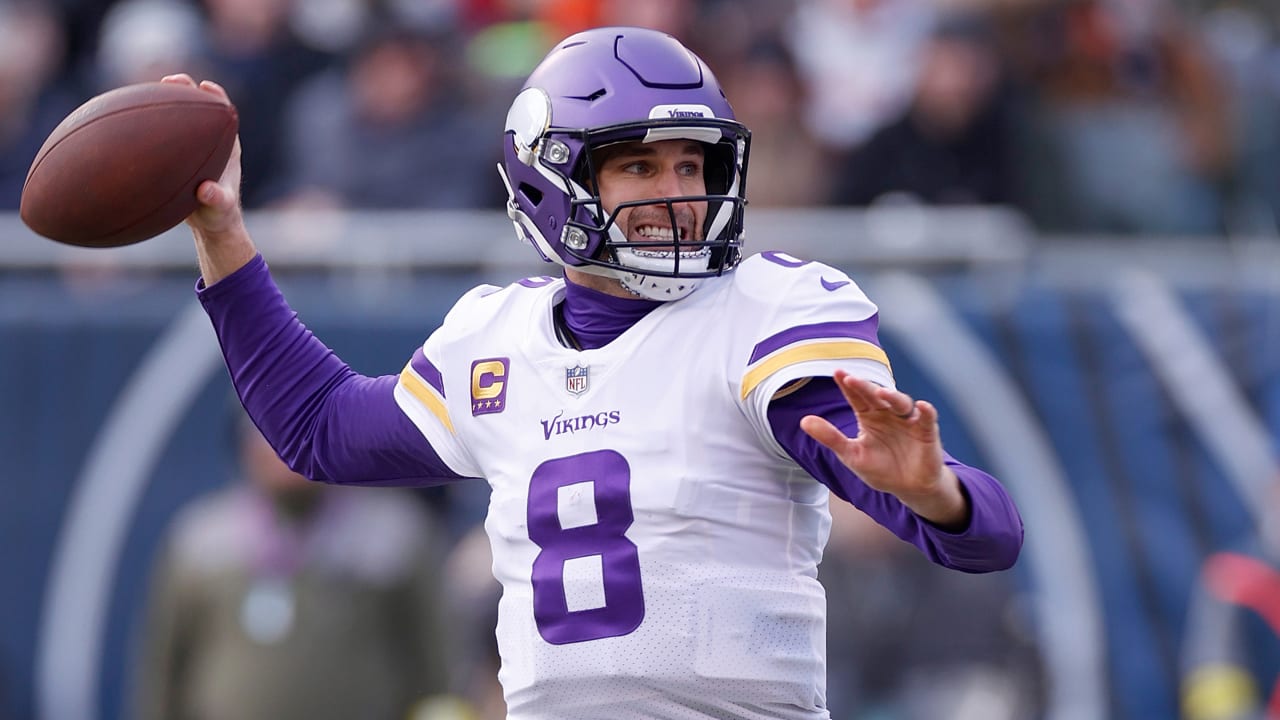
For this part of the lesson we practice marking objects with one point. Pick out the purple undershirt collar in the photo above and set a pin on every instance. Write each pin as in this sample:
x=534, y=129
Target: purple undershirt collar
x=597, y=318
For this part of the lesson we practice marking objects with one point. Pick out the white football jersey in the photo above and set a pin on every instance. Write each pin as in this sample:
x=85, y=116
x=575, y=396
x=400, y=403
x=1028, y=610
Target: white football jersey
x=657, y=548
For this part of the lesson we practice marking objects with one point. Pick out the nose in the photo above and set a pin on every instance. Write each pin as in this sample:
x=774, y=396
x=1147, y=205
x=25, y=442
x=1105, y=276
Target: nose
x=670, y=183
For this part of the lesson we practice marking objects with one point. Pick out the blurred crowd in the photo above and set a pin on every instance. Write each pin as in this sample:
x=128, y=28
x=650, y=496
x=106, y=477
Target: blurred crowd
x=1091, y=116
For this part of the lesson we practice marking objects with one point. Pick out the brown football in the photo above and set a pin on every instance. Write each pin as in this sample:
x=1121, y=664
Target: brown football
x=125, y=166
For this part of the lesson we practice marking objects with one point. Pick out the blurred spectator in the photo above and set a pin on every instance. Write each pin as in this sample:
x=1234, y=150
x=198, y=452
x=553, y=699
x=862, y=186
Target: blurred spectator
x=32, y=98
x=954, y=143
x=1243, y=43
x=251, y=50
x=725, y=33
x=471, y=596
x=332, y=26
x=788, y=166
x=1136, y=116
x=860, y=59
x=281, y=598
x=674, y=17
x=908, y=640
x=509, y=38
x=567, y=17
x=389, y=131
x=144, y=40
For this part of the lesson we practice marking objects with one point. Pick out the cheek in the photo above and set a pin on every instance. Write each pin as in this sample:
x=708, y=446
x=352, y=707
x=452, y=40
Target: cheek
x=622, y=218
x=608, y=199
x=696, y=186
x=613, y=194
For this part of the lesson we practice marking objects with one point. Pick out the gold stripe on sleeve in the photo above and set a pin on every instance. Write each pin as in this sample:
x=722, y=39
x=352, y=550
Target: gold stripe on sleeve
x=832, y=350
x=427, y=396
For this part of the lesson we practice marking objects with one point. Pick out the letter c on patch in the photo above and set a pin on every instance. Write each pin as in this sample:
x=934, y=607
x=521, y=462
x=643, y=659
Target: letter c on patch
x=487, y=379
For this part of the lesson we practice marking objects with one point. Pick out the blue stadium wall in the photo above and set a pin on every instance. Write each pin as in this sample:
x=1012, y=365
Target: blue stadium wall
x=1149, y=494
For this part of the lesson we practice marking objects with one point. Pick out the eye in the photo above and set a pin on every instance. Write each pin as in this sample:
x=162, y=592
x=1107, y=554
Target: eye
x=690, y=169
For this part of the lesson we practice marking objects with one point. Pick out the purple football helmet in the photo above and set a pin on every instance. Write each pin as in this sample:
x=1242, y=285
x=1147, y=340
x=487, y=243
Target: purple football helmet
x=611, y=85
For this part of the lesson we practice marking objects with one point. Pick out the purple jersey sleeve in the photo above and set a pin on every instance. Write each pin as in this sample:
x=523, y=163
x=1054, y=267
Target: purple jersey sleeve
x=326, y=421
x=993, y=537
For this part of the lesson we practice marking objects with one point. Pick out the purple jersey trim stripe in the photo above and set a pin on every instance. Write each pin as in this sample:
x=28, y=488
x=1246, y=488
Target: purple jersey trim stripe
x=427, y=371
x=864, y=330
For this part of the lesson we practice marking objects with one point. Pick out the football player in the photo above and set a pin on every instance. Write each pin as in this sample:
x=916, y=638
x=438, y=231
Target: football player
x=661, y=426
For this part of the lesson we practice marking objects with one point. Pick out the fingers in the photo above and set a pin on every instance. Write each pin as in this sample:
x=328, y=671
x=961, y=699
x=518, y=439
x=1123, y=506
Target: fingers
x=823, y=431
x=208, y=86
x=864, y=396
x=869, y=401
x=856, y=392
x=926, y=417
x=926, y=412
x=213, y=87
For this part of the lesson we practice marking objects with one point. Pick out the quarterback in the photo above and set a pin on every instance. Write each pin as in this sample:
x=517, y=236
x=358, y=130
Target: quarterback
x=661, y=425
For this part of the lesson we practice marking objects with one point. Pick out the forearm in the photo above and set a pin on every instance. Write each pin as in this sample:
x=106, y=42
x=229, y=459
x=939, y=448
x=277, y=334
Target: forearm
x=325, y=420
x=988, y=535
x=222, y=253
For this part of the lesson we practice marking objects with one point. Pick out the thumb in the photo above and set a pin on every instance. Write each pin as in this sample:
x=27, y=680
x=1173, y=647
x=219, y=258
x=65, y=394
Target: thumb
x=213, y=195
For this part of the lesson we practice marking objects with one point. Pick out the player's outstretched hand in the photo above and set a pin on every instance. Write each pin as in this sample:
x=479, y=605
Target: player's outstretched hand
x=898, y=449
x=219, y=211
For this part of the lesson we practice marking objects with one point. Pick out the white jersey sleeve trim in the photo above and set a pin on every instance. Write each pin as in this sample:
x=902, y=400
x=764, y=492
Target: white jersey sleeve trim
x=756, y=404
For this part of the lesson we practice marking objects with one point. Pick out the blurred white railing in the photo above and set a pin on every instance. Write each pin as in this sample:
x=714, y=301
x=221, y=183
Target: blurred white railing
x=896, y=236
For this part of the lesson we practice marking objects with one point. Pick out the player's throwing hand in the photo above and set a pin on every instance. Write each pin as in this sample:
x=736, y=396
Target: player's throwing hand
x=219, y=209
x=223, y=244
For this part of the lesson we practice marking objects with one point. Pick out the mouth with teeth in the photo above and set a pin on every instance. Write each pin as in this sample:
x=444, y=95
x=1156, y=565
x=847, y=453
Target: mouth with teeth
x=651, y=249
x=658, y=233
x=665, y=255
x=662, y=260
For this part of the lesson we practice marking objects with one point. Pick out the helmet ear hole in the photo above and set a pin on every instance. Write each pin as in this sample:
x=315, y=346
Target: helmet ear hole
x=718, y=167
x=531, y=193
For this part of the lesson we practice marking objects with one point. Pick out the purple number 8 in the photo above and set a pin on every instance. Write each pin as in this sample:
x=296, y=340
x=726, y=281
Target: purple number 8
x=623, y=607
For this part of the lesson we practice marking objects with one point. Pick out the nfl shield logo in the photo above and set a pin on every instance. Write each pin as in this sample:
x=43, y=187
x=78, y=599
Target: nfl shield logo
x=576, y=379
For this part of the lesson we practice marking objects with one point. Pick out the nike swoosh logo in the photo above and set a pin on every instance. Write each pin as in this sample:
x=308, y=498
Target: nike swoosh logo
x=832, y=286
